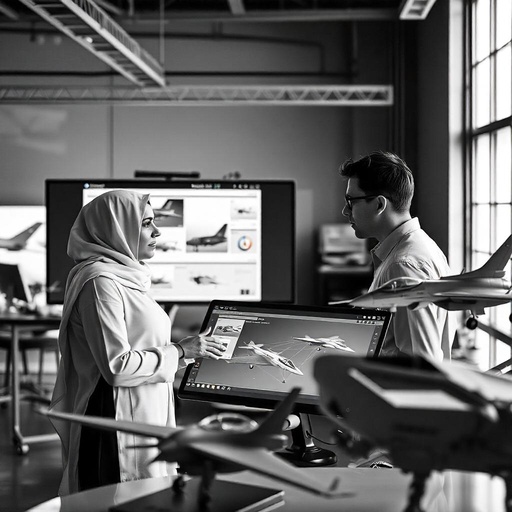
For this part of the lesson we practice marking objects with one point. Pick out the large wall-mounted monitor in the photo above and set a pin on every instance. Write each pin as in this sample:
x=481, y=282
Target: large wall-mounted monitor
x=231, y=240
x=271, y=348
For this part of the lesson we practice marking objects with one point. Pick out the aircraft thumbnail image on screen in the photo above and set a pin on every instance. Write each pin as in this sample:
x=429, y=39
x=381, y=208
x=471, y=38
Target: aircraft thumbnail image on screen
x=272, y=352
x=210, y=243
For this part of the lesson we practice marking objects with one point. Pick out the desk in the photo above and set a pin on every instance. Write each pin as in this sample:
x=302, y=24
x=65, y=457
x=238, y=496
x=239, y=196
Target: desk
x=17, y=324
x=382, y=490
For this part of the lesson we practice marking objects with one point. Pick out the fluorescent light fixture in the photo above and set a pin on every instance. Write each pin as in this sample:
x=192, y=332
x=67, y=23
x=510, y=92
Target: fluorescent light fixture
x=91, y=27
x=415, y=9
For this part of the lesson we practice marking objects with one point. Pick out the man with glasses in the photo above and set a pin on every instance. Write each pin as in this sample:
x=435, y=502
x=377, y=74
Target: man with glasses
x=380, y=188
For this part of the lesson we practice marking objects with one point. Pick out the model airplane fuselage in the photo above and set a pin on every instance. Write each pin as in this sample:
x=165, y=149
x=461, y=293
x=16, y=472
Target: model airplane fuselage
x=473, y=291
x=223, y=443
x=273, y=358
x=332, y=342
x=19, y=242
x=218, y=238
x=428, y=416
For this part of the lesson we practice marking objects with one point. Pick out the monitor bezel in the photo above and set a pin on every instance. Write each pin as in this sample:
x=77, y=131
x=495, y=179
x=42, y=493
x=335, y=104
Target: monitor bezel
x=264, y=402
x=185, y=183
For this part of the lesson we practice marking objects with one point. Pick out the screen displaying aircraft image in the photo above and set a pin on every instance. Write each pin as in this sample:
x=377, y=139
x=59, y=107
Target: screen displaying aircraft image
x=268, y=352
x=23, y=243
x=251, y=259
x=193, y=258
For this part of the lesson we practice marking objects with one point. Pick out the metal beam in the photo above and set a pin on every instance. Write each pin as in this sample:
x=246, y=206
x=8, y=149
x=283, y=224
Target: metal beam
x=295, y=95
x=91, y=27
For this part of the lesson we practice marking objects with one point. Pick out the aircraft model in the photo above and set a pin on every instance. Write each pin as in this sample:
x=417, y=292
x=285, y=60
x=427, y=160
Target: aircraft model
x=223, y=443
x=166, y=210
x=429, y=416
x=473, y=291
x=18, y=242
x=218, y=238
x=331, y=342
x=273, y=358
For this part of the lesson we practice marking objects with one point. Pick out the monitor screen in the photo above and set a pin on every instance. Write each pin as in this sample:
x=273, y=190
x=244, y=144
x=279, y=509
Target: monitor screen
x=232, y=240
x=23, y=243
x=271, y=348
x=12, y=284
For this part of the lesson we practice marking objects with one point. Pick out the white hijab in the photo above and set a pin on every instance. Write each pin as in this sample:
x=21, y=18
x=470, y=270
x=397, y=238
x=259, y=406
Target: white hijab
x=103, y=241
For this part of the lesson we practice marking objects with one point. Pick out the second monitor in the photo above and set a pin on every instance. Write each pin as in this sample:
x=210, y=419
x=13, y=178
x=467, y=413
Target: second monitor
x=271, y=349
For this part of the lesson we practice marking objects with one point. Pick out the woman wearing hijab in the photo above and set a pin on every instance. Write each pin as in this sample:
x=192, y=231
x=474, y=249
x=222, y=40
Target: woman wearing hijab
x=117, y=357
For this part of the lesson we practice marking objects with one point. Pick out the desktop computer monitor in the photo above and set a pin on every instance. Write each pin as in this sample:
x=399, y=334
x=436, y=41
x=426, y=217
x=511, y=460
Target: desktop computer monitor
x=12, y=284
x=232, y=240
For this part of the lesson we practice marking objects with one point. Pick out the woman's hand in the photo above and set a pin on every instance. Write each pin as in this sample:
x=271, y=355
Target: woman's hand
x=202, y=345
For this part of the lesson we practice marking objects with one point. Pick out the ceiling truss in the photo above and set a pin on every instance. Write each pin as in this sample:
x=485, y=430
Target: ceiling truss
x=332, y=95
x=91, y=27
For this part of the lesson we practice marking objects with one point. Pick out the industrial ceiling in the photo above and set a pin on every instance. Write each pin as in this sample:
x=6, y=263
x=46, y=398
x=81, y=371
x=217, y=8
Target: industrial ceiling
x=103, y=28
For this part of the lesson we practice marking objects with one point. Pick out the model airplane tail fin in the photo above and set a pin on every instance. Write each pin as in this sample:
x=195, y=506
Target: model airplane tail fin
x=167, y=205
x=274, y=422
x=494, y=267
x=25, y=235
x=222, y=231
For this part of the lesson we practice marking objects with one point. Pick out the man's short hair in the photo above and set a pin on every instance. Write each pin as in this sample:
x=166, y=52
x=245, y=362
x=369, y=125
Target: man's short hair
x=383, y=173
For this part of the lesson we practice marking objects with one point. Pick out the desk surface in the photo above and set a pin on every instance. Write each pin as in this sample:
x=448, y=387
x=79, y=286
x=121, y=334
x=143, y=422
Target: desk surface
x=7, y=318
x=382, y=490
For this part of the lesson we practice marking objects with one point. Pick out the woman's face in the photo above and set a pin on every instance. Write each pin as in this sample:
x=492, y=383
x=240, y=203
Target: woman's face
x=148, y=234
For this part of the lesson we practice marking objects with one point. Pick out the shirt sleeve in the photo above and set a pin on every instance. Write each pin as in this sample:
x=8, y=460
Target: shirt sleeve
x=101, y=310
x=416, y=331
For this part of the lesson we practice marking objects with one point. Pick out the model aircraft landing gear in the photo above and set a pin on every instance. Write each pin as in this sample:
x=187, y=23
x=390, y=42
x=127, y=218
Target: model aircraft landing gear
x=207, y=479
x=416, y=491
x=179, y=483
x=472, y=323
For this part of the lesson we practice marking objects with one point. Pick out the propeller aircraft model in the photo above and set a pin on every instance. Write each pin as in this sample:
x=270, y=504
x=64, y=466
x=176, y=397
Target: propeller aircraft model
x=223, y=443
x=473, y=291
x=18, y=242
x=331, y=342
x=429, y=416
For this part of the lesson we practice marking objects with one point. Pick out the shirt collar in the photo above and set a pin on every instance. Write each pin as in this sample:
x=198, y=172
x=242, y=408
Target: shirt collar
x=382, y=250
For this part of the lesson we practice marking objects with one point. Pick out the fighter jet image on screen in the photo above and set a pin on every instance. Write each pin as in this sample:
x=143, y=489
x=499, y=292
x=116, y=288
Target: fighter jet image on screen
x=19, y=242
x=222, y=443
x=166, y=210
x=269, y=356
x=427, y=415
x=218, y=238
x=332, y=342
x=472, y=291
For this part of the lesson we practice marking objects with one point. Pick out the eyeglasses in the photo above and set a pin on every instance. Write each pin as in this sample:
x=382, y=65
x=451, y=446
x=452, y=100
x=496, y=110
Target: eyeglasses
x=350, y=200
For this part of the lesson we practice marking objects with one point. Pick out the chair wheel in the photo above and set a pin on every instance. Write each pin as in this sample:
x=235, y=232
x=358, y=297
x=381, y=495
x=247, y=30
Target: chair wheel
x=22, y=449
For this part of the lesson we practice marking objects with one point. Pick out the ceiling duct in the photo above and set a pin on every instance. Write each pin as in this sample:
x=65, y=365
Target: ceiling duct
x=90, y=26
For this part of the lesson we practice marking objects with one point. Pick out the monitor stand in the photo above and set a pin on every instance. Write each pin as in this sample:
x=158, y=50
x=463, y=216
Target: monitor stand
x=303, y=451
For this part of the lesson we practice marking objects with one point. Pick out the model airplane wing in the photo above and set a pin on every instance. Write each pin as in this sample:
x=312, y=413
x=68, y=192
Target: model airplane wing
x=268, y=464
x=130, y=427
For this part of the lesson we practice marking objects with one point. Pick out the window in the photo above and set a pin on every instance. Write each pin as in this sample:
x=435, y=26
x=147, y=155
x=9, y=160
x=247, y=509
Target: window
x=490, y=139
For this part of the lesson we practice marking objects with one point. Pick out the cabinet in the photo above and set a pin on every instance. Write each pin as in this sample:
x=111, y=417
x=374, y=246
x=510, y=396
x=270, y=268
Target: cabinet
x=340, y=282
